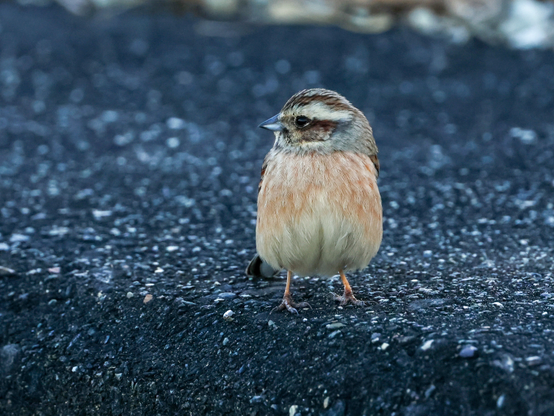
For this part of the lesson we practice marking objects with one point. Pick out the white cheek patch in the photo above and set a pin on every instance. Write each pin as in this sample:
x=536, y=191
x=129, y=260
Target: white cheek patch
x=321, y=111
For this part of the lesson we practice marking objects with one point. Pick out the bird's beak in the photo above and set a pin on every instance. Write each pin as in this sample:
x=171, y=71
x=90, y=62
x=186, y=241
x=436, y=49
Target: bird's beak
x=272, y=124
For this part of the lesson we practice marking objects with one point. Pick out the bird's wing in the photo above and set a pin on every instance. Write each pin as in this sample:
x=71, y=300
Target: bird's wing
x=264, y=167
x=375, y=161
x=258, y=267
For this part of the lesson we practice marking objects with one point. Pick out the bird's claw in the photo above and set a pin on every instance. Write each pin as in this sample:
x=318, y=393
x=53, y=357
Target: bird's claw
x=348, y=297
x=288, y=304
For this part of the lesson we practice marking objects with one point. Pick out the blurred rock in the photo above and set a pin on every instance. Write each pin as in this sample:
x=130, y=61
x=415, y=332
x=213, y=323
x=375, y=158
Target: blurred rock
x=8, y=356
x=294, y=11
x=82, y=7
x=221, y=8
x=365, y=22
x=529, y=24
x=79, y=7
x=477, y=12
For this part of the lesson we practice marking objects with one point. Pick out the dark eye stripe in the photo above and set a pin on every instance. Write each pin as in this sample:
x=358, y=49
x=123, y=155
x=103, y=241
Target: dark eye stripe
x=325, y=125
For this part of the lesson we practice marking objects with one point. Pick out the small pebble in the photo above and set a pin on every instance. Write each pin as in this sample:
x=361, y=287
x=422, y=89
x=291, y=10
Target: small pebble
x=427, y=344
x=429, y=391
x=469, y=351
x=175, y=123
x=226, y=295
x=500, y=401
x=147, y=298
x=336, y=325
x=173, y=142
x=6, y=271
x=19, y=238
x=228, y=316
x=99, y=214
x=534, y=360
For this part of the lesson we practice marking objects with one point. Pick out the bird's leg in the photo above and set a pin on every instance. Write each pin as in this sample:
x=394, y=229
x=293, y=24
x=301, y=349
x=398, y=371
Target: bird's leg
x=287, y=302
x=348, y=296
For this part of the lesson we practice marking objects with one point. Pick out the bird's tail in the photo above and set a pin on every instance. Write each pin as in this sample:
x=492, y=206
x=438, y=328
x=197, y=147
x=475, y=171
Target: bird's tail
x=259, y=268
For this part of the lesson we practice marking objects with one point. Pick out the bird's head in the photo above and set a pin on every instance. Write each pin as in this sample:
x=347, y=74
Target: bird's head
x=320, y=120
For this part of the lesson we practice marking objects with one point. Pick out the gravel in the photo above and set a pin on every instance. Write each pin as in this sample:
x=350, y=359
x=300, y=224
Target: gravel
x=128, y=179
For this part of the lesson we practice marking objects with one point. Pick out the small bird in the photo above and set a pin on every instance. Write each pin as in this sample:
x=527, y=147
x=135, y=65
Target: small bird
x=319, y=207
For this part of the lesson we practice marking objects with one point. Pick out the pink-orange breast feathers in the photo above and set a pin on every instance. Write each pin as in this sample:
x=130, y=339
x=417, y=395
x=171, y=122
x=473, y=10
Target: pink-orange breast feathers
x=319, y=213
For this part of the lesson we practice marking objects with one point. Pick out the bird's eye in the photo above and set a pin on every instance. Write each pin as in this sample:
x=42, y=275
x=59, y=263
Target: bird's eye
x=301, y=121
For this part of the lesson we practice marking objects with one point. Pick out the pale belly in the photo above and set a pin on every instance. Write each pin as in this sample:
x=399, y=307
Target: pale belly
x=319, y=214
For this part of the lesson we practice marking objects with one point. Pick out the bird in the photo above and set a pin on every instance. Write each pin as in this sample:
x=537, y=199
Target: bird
x=319, y=206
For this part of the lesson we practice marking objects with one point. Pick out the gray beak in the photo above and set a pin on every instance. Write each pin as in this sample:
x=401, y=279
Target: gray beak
x=272, y=124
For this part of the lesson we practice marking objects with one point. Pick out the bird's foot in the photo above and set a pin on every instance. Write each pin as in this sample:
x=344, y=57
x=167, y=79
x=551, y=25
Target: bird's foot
x=348, y=297
x=288, y=304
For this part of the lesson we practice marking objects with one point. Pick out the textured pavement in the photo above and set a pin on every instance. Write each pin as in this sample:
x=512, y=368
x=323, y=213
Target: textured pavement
x=129, y=163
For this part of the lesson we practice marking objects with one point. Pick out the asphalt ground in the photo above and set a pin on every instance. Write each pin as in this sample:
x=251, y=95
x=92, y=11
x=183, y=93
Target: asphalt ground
x=129, y=164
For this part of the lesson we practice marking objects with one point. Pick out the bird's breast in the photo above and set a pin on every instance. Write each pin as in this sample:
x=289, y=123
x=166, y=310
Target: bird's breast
x=319, y=213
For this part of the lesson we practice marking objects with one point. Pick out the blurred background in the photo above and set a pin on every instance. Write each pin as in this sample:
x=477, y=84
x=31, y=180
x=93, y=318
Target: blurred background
x=517, y=23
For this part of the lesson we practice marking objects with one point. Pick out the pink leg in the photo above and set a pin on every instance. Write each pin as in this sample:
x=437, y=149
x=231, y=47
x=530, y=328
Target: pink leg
x=287, y=302
x=348, y=296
